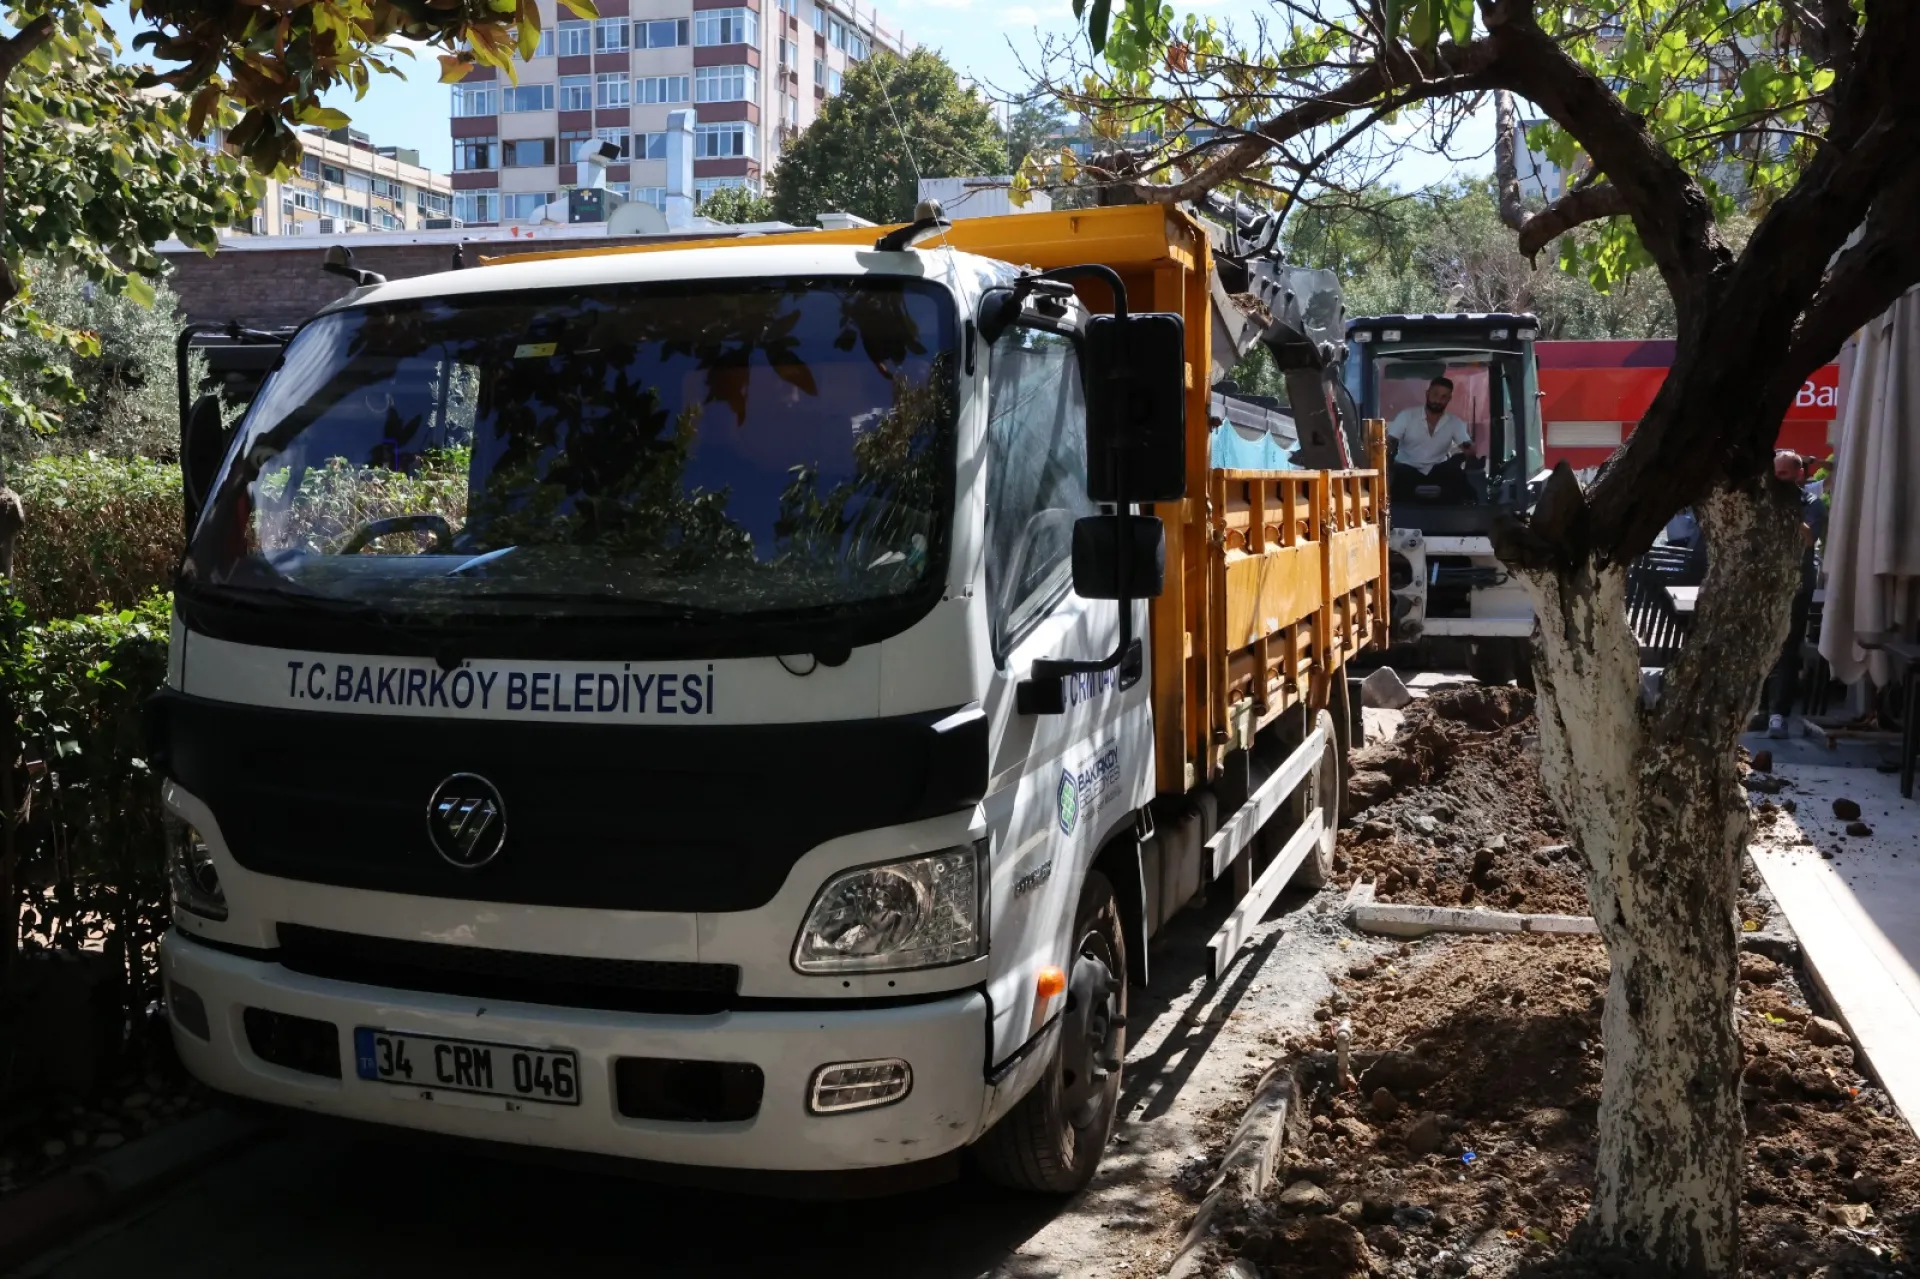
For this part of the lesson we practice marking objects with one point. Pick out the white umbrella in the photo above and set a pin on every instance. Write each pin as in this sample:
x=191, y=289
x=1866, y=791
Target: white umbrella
x=1873, y=535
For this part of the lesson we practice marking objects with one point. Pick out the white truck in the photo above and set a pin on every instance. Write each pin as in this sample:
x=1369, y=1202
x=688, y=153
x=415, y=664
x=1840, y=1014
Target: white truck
x=701, y=705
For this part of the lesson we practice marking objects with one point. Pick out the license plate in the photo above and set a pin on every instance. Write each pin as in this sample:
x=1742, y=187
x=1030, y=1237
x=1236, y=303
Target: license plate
x=432, y=1064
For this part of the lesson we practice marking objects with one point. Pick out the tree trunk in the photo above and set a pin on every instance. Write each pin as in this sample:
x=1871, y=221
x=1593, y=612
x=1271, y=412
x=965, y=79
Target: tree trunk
x=1652, y=791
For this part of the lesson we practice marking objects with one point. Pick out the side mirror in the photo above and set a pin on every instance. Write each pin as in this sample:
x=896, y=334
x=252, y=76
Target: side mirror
x=1136, y=408
x=1104, y=545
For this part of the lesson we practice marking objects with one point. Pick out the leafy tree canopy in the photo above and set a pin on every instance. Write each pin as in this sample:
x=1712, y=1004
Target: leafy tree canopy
x=99, y=160
x=894, y=120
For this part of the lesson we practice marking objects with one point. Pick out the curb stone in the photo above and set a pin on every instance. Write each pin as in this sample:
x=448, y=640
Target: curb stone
x=44, y=1214
x=1396, y=920
x=1246, y=1169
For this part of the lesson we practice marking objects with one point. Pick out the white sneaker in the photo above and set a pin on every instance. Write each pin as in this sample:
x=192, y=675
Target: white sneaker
x=1776, y=726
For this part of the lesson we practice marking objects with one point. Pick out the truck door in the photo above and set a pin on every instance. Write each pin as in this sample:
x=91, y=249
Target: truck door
x=1060, y=784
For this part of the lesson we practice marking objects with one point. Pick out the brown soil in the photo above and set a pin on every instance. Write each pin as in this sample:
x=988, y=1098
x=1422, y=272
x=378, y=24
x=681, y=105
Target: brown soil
x=1485, y=1053
x=1450, y=812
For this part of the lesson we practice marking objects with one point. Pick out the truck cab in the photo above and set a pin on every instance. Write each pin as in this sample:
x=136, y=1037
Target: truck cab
x=730, y=708
x=1452, y=598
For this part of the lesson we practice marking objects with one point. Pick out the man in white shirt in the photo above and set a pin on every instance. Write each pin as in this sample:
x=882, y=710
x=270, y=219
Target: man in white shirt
x=1427, y=438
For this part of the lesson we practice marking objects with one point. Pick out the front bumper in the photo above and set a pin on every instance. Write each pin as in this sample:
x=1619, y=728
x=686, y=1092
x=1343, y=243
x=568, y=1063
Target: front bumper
x=943, y=1040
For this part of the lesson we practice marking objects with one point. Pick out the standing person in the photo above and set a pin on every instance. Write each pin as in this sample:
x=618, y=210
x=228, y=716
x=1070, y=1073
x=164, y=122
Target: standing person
x=1427, y=439
x=1785, y=679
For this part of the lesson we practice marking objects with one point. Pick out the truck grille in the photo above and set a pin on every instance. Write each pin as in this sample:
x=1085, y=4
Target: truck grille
x=567, y=981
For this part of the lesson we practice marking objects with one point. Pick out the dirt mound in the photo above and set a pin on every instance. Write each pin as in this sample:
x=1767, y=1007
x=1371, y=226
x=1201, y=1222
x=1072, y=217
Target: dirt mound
x=1466, y=1146
x=1451, y=812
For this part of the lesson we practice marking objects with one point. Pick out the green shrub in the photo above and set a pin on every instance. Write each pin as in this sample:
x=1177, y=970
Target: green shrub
x=91, y=855
x=99, y=531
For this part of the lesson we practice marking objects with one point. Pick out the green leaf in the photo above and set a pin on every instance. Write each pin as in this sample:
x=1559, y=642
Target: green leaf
x=325, y=117
x=140, y=290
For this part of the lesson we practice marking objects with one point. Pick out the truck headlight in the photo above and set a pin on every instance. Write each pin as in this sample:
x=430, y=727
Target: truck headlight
x=920, y=913
x=190, y=870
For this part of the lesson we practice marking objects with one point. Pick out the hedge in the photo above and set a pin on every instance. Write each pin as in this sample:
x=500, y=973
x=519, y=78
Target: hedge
x=99, y=531
x=91, y=872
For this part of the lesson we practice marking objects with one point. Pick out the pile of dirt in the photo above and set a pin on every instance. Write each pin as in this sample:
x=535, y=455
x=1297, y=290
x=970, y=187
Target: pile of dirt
x=1451, y=813
x=1466, y=1144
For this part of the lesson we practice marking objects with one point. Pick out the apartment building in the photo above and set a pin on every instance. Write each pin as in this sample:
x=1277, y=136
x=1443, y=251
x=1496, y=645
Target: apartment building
x=346, y=184
x=755, y=72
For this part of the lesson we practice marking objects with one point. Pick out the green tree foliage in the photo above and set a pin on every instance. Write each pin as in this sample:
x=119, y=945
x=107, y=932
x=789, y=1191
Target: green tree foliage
x=1035, y=121
x=1445, y=250
x=893, y=120
x=128, y=405
x=737, y=206
x=101, y=531
x=99, y=159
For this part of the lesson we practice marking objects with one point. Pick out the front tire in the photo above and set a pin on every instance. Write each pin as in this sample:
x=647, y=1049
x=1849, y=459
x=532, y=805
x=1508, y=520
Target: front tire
x=1052, y=1139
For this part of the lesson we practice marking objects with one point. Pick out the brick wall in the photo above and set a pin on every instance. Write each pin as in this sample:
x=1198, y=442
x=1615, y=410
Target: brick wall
x=268, y=287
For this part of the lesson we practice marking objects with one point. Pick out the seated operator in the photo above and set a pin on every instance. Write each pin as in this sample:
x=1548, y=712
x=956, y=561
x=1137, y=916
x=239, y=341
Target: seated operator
x=1423, y=444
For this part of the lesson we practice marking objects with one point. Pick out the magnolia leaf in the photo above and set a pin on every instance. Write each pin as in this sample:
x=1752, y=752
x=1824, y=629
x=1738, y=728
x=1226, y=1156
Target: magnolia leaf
x=140, y=290
x=582, y=9
x=325, y=117
x=454, y=67
x=1069, y=167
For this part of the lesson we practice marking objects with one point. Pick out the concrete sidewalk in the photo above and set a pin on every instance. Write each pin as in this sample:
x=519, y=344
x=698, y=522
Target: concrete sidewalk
x=1857, y=913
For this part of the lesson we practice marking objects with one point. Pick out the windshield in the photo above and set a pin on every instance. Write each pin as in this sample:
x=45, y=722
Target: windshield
x=1483, y=391
x=740, y=449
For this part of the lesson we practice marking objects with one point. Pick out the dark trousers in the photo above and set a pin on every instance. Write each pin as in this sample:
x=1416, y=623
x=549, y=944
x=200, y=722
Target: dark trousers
x=1785, y=677
x=1449, y=476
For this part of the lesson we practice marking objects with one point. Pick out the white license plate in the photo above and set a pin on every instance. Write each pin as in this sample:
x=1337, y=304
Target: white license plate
x=428, y=1062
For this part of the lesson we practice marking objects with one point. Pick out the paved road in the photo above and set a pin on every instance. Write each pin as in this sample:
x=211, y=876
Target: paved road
x=305, y=1204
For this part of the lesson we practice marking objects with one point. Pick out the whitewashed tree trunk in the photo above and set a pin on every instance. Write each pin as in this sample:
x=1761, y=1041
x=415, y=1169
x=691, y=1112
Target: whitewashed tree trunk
x=1653, y=793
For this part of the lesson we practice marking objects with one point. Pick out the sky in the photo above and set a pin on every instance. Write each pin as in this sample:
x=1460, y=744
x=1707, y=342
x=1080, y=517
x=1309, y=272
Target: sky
x=990, y=43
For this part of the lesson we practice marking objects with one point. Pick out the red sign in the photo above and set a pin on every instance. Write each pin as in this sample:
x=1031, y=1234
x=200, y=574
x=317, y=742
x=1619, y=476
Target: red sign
x=1592, y=394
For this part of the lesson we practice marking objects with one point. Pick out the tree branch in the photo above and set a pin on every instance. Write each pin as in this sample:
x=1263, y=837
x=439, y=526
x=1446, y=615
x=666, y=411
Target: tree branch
x=1575, y=208
x=1863, y=281
x=1506, y=166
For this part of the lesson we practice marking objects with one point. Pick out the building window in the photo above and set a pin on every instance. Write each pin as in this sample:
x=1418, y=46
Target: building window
x=477, y=206
x=576, y=39
x=726, y=26
x=661, y=88
x=857, y=47
x=820, y=71
x=622, y=138
x=524, y=206
x=570, y=144
x=333, y=173
x=360, y=182
x=433, y=203
x=475, y=153
x=656, y=196
x=834, y=81
x=789, y=54
x=726, y=84
x=545, y=48
x=310, y=166
x=790, y=111
x=576, y=93
x=612, y=89
x=670, y=34
x=475, y=99
x=650, y=146
x=837, y=33
x=525, y=153
x=526, y=97
x=704, y=187
x=790, y=7
x=609, y=35
x=723, y=141
x=820, y=18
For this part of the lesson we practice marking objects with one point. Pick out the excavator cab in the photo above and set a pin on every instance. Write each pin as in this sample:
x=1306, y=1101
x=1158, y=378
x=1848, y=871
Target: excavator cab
x=1483, y=368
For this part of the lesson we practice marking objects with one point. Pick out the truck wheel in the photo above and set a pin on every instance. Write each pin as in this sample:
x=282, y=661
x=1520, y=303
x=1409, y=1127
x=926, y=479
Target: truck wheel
x=1051, y=1141
x=1321, y=789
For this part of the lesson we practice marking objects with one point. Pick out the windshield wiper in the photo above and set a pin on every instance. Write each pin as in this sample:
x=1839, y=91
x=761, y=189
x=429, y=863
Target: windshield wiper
x=607, y=599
